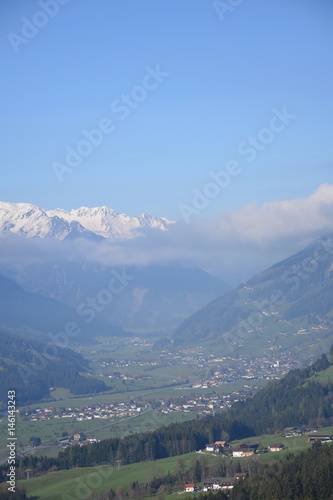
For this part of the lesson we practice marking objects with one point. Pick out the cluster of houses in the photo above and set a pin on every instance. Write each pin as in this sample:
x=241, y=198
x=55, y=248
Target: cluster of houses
x=201, y=404
x=246, y=368
x=216, y=483
x=247, y=449
x=76, y=438
x=100, y=410
x=243, y=450
x=298, y=431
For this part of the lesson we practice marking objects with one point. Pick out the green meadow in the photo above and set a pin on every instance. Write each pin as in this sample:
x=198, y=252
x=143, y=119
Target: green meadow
x=56, y=485
x=50, y=430
x=69, y=484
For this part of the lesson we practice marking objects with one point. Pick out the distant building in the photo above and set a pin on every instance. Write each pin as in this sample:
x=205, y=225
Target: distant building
x=319, y=439
x=249, y=446
x=189, y=487
x=294, y=431
x=241, y=475
x=92, y=440
x=221, y=443
x=242, y=452
x=207, y=484
x=218, y=483
x=276, y=447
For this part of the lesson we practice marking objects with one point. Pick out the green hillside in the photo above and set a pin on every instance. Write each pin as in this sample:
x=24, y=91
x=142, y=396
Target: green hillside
x=30, y=368
x=288, y=307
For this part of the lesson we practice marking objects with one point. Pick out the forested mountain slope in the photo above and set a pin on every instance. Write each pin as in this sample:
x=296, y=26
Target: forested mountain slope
x=288, y=306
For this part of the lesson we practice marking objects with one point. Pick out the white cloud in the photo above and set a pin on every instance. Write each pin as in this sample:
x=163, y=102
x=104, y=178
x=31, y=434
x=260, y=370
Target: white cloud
x=234, y=245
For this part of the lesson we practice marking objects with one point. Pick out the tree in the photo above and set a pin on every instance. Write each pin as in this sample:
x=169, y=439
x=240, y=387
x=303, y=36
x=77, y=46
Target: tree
x=225, y=436
x=260, y=448
x=180, y=468
x=35, y=441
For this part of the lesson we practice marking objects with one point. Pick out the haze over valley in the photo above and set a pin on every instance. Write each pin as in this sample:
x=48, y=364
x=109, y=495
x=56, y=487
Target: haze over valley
x=166, y=250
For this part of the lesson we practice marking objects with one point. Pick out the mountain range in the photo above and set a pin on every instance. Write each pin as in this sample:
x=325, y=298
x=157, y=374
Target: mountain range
x=31, y=221
x=149, y=299
x=286, y=308
x=40, y=316
x=156, y=298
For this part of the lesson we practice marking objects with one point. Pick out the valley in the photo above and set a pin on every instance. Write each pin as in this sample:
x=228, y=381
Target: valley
x=161, y=366
x=147, y=388
x=166, y=250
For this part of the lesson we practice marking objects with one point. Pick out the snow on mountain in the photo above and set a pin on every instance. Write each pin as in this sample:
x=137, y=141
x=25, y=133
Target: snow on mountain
x=31, y=221
x=106, y=222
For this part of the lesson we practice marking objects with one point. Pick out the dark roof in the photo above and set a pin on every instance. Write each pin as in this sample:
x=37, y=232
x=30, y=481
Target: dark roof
x=320, y=437
x=226, y=480
x=219, y=480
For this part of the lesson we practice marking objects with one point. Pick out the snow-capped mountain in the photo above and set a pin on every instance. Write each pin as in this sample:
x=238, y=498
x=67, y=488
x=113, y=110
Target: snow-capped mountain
x=106, y=222
x=33, y=222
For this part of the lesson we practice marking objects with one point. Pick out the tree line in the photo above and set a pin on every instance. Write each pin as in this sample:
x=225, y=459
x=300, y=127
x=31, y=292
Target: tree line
x=35, y=370
x=293, y=400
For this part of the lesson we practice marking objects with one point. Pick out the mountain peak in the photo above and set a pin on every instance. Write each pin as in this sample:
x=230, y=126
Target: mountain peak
x=31, y=221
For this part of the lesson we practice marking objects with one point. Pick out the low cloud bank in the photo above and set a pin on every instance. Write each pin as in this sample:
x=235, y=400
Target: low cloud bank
x=234, y=245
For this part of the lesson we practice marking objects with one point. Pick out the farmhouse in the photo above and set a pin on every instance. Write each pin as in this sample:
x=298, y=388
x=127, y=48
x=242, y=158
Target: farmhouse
x=221, y=443
x=241, y=475
x=319, y=439
x=189, y=487
x=276, y=447
x=242, y=452
x=249, y=446
x=218, y=483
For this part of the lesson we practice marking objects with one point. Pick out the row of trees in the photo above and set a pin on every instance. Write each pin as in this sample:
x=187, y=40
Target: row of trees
x=307, y=476
x=293, y=400
x=167, y=441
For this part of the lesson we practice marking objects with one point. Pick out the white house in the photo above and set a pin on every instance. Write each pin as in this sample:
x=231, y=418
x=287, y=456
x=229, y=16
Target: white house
x=189, y=487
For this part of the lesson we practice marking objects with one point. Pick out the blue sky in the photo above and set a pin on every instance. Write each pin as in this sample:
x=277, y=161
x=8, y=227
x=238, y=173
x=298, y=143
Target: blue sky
x=222, y=80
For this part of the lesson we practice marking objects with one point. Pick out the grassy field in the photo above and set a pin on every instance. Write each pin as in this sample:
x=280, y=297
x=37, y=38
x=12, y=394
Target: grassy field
x=50, y=430
x=56, y=485
x=323, y=377
x=69, y=484
x=293, y=444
